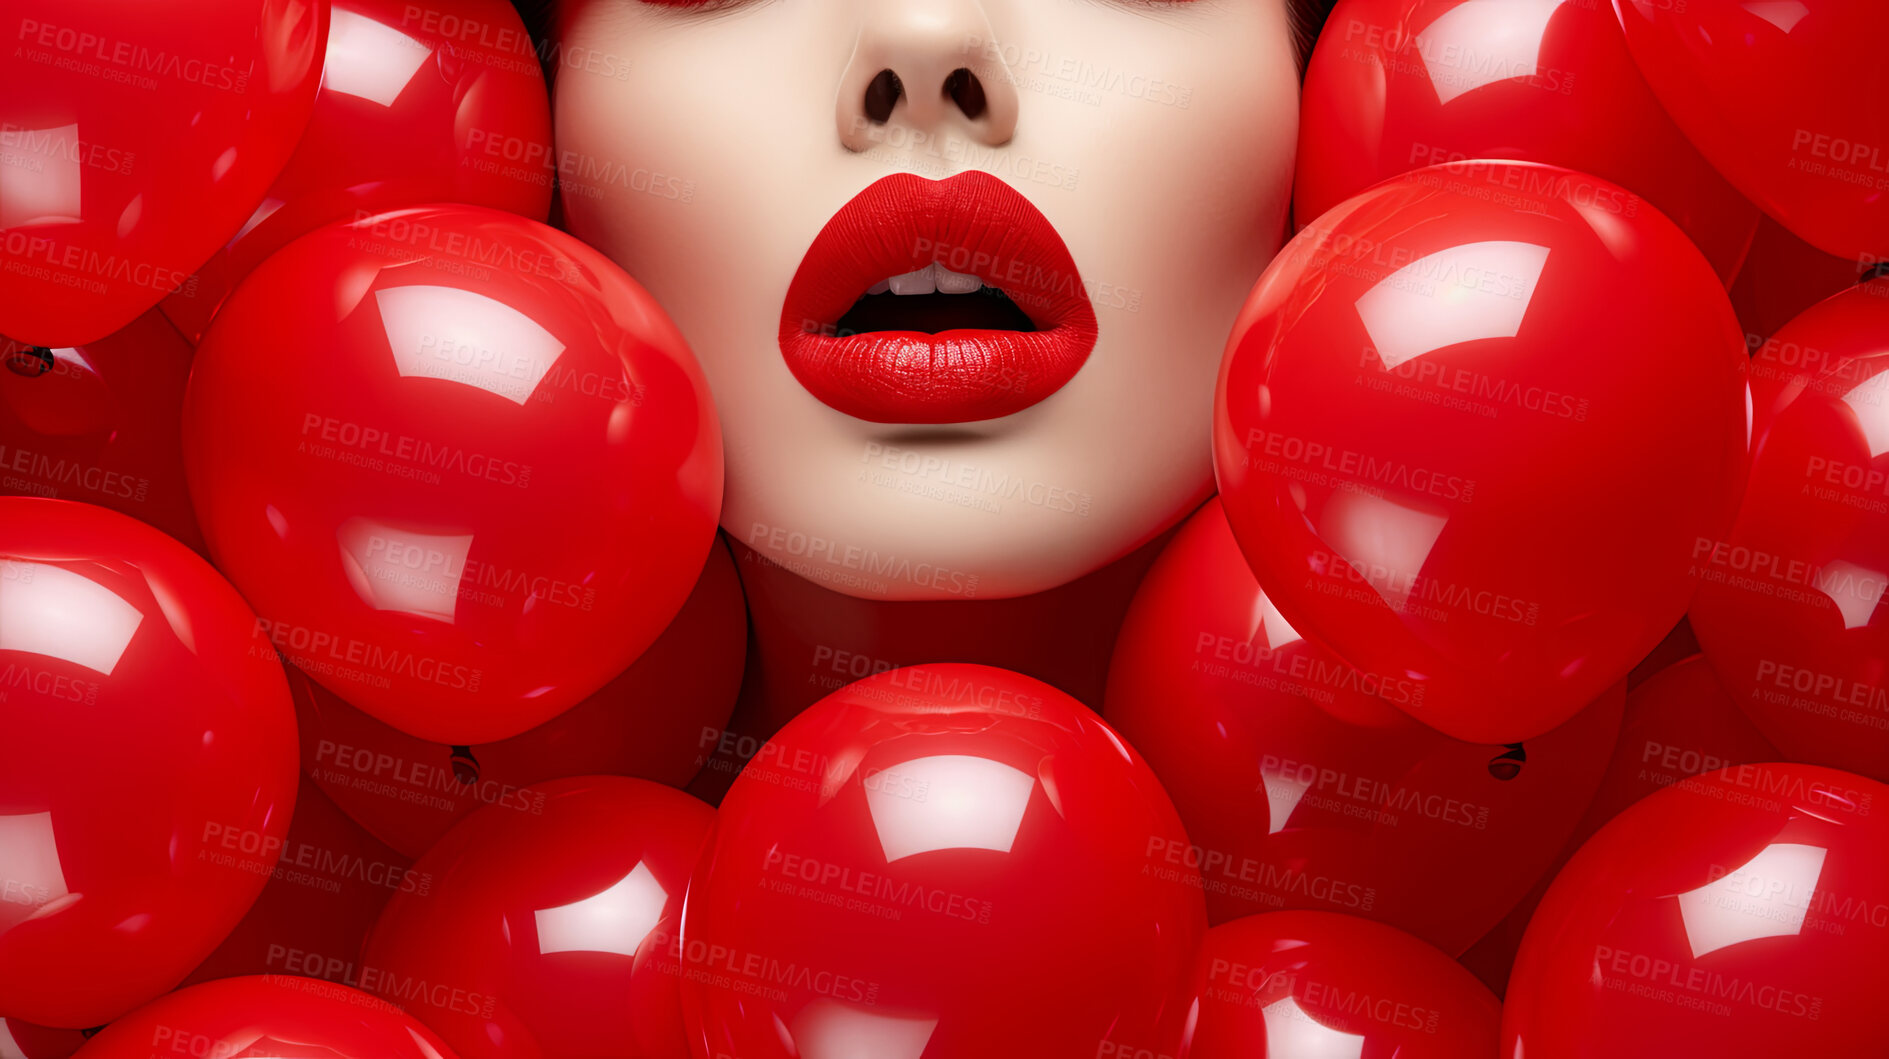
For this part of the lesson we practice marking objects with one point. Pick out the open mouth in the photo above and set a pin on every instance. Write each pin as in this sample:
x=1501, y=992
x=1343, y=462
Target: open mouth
x=927, y=301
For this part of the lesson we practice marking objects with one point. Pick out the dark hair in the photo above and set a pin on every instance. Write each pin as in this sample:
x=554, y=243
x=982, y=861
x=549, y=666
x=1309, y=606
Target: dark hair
x=1306, y=18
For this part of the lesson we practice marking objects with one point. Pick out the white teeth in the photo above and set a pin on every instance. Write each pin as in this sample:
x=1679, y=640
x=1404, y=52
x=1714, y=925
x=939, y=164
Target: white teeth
x=950, y=282
x=920, y=282
x=933, y=277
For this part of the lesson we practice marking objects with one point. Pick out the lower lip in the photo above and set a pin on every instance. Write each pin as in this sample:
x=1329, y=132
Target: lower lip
x=959, y=376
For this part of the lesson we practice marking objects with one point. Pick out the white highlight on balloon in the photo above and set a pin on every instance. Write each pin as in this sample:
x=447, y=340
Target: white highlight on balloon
x=1854, y=589
x=1784, y=14
x=1462, y=294
x=833, y=1029
x=949, y=801
x=49, y=610
x=30, y=873
x=1291, y=1031
x=43, y=175
x=614, y=920
x=466, y=337
x=404, y=570
x=1869, y=399
x=1386, y=542
x=1767, y=897
x=1484, y=41
x=369, y=60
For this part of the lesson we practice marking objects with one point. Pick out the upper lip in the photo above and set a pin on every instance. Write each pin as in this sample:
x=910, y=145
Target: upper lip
x=970, y=223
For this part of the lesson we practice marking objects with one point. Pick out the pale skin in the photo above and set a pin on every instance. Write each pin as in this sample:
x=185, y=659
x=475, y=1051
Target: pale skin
x=703, y=149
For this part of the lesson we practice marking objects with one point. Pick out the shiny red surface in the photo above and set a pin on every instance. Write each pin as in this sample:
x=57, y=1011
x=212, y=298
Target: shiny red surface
x=659, y=719
x=555, y=927
x=1740, y=914
x=942, y=861
x=100, y=423
x=434, y=102
x=137, y=139
x=148, y=768
x=326, y=888
x=1297, y=985
x=1786, y=99
x=1679, y=723
x=1395, y=85
x=267, y=1017
x=1469, y=428
x=972, y=223
x=463, y=466
x=1790, y=610
x=1303, y=788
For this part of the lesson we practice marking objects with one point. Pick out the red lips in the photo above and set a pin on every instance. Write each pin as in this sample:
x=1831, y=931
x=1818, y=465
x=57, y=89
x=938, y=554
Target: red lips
x=972, y=223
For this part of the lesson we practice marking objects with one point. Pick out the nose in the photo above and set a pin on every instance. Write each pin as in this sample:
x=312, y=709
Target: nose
x=931, y=66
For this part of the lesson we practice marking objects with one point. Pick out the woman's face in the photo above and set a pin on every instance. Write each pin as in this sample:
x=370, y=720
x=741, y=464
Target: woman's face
x=832, y=247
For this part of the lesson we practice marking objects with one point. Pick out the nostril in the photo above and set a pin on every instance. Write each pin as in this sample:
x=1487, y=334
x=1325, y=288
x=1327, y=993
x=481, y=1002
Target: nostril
x=963, y=88
x=881, y=95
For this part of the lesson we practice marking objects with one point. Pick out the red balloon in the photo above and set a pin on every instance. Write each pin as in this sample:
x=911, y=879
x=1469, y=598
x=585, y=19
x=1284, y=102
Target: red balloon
x=938, y=861
x=1395, y=85
x=100, y=422
x=1789, y=613
x=23, y=1040
x=1786, y=99
x=137, y=138
x=1302, y=787
x=1741, y=914
x=1469, y=428
x=659, y=720
x=330, y=881
x=1783, y=276
x=463, y=466
x=147, y=771
x=1679, y=723
x=1298, y=985
x=556, y=927
x=435, y=102
x=272, y=1016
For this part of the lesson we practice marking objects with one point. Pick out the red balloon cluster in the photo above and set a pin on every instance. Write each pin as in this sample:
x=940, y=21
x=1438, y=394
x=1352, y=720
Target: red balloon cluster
x=1300, y=783
x=418, y=103
x=1790, y=609
x=137, y=138
x=363, y=617
x=1396, y=85
x=659, y=719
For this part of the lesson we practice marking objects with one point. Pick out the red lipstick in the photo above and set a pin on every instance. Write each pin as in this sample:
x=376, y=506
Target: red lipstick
x=972, y=224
